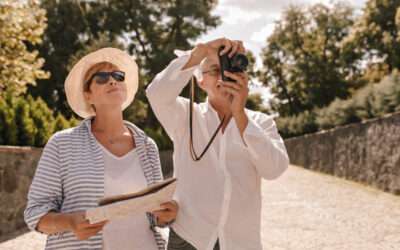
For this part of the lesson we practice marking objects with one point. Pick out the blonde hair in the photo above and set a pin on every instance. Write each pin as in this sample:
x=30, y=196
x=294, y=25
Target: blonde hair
x=94, y=69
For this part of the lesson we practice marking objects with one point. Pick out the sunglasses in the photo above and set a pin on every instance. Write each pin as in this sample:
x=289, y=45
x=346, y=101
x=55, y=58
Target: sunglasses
x=103, y=77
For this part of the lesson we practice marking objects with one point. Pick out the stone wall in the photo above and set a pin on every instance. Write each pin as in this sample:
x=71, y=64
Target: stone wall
x=367, y=152
x=17, y=167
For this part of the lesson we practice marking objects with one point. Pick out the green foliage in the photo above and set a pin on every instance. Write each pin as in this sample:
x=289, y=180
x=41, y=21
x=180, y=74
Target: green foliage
x=8, y=126
x=376, y=33
x=297, y=125
x=21, y=26
x=28, y=121
x=150, y=30
x=251, y=69
x=255, y=102
x=303, y=61
x=328, y=68
x=43, y=119
x=102, y=41
x=372, y=101
x=61, y=123
x=25, y=124
x=339, y=112
x=159, y=136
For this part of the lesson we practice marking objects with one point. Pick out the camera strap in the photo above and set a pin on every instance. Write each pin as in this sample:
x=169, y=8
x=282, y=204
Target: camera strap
x=192, y=151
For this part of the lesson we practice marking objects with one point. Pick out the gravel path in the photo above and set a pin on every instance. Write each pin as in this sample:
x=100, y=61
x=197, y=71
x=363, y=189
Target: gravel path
x=307, y=210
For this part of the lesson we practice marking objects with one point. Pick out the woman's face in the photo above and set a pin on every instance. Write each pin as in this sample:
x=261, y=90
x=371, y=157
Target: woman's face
x=105, y=94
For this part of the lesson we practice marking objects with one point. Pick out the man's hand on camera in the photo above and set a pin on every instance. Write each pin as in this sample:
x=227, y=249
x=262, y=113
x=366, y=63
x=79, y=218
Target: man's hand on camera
x=239, y=91
x=231, y=46
x=203, y=50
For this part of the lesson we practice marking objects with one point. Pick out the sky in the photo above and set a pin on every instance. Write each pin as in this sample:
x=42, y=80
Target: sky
x=252, y=21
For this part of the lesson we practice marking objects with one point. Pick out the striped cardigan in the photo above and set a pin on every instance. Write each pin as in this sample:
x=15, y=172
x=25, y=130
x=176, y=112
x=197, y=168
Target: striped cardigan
x=70, y=177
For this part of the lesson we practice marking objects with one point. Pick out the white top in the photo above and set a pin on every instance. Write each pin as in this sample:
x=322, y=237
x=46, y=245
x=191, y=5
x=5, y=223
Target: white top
x=219, y=196
x=124, y=175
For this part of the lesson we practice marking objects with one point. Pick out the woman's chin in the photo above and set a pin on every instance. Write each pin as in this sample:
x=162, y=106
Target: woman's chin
x=113, y=103
x=116, y=97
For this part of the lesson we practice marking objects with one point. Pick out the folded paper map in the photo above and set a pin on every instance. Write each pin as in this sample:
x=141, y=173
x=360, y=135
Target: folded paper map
x=120, y=206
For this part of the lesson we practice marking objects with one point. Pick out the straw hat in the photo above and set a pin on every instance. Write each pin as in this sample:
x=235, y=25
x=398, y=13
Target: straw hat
x=75, y=79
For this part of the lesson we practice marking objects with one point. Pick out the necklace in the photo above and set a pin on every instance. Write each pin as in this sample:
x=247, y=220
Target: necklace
x=113, y=140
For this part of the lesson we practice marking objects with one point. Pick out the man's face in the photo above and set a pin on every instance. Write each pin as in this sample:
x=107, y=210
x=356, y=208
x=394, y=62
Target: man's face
x=211, y=75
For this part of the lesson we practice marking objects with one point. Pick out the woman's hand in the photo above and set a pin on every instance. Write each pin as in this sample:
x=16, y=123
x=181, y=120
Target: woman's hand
x=167, y=213
x=81, y=227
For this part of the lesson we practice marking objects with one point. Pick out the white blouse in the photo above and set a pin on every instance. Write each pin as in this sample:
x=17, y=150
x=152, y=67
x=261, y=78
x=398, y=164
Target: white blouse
x=124, y=175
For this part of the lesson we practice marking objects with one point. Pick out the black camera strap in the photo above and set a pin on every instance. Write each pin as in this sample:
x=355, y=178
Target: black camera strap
x=192, y=151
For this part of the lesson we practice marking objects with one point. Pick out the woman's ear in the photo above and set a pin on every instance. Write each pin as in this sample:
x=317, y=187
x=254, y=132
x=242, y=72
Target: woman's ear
x=87, y=96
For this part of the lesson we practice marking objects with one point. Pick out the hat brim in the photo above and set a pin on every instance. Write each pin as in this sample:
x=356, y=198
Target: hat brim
x=75, y=79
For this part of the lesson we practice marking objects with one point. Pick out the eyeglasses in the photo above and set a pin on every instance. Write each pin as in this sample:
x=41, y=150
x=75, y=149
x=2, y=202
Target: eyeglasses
x=103, y=77
x=212, y=72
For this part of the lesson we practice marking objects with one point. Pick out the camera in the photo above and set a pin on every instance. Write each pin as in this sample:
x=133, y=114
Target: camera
x=236, y=63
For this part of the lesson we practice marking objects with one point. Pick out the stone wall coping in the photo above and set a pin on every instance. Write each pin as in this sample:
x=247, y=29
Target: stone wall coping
x=18, y=149
x=355, y=124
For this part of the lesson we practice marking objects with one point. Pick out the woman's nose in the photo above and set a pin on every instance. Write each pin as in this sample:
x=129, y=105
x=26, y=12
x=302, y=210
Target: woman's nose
x=113, y=83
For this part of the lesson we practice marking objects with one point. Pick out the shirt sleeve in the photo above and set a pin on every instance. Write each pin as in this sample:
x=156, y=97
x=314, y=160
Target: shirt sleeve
x=265, y=146
x=163, y=94
x=45, y=192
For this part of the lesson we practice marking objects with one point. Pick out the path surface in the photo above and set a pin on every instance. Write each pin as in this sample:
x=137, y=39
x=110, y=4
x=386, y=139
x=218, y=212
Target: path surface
x=307, y=210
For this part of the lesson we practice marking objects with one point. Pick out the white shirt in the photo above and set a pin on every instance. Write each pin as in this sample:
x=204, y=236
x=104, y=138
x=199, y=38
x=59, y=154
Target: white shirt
x=124, y=175
x=219, y=196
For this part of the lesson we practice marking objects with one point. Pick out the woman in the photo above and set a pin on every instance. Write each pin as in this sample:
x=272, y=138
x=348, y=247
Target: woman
x=102, y=156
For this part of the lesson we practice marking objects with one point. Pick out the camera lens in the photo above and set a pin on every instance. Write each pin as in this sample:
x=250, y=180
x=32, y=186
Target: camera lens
x=239, y=62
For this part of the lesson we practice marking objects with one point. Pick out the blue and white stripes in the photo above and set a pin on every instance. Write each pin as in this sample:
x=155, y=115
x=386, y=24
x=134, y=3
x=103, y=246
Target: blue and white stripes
x=70, y=178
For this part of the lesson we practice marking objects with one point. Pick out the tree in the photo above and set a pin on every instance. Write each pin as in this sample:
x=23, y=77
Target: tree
x=69, y=28
x=25, y=121
x=376, y=34
x=304, y=63
x=255, y=102
x=21, y=25
x=150, y=30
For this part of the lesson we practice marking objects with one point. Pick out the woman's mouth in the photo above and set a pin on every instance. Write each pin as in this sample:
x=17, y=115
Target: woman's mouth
x=113, y=90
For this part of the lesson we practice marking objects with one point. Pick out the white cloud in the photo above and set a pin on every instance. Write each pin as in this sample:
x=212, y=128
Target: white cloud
x=261, y=35
x=237, y=15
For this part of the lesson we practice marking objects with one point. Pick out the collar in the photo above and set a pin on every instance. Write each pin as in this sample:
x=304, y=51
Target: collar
x=137, y=132
x=209, y=109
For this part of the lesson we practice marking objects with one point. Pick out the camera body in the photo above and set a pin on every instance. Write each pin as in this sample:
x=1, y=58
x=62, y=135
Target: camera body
x=236, y=63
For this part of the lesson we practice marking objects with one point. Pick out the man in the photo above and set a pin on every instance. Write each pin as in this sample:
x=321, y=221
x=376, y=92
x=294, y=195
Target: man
x=220, y=195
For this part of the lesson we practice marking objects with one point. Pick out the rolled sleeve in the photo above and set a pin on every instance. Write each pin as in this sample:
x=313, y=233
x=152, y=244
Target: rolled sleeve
x=265, y=146
x=45, y=192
